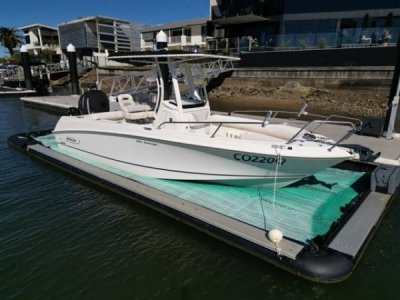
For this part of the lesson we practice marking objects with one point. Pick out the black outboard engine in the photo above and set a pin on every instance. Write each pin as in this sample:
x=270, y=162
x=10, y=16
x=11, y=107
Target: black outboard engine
x=94, y=101
x=42, y=87
x=366, y=154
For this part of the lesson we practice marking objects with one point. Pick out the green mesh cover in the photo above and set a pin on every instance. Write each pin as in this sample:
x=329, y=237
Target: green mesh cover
x=301, y=211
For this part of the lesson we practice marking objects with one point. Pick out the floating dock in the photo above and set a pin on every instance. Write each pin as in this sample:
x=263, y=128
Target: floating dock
x=64, y=104
x=326, y=256
x=12, y=92
x=57, y=104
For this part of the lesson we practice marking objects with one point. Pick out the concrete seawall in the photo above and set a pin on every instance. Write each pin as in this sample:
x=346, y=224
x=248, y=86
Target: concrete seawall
x=322, y=77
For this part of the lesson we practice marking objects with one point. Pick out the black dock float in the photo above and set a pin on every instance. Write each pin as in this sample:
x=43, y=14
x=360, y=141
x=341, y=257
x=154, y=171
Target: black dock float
x=328, y=262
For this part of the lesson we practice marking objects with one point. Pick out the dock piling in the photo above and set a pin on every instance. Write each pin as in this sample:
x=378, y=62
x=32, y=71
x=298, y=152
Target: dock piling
x=27, y=67
x=73, y=70
x=392, y=120
x=162, y=46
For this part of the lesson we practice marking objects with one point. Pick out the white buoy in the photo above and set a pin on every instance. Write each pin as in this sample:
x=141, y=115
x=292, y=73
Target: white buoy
x=275, y=235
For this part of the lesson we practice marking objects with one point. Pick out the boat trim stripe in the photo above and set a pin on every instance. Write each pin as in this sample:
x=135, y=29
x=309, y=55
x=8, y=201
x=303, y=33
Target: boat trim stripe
x=176, y=171
x=186, y=145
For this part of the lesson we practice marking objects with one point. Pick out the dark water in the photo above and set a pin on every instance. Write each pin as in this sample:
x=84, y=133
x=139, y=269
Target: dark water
x=61, y=238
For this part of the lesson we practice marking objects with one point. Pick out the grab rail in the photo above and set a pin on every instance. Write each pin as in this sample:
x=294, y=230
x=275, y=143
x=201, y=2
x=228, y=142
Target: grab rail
x=274, y=113
x=263, y=123
x=210, y=122
x=322, y=122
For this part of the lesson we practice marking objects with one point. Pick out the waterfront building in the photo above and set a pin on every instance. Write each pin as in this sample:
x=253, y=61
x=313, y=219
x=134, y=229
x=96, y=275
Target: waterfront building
x=99, y=33
x=303, y=24
x=40, y=38
x=181, y=35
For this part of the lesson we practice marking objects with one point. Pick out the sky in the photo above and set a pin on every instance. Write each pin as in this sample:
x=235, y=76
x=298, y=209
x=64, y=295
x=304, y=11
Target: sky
x=18, y=13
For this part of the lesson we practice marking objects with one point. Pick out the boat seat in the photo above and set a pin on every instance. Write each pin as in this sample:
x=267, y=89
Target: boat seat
x=133, y=111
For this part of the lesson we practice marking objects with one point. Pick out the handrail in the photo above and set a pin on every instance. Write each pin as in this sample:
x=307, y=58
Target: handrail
x=262, y=123
x=209, y=122
x=322, y=122
x=348, y=118
x=274, y=113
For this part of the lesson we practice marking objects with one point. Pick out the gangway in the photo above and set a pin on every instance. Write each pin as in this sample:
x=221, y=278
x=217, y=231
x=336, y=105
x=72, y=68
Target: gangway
x=138, y=80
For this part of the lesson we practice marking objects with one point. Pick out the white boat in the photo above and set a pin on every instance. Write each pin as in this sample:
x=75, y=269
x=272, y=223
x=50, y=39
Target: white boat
x=175, y=136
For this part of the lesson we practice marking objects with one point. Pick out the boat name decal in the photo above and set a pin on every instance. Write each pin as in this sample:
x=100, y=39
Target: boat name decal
x=146, y=143
x=72, y=140
x=258, y=159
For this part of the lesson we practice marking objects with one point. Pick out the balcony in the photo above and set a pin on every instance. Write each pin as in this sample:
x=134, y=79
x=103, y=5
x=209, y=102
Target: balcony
x=175, y=39
x=241, y=11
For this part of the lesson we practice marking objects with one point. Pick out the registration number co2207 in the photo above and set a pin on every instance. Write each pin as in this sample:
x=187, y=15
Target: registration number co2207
x=258, y=159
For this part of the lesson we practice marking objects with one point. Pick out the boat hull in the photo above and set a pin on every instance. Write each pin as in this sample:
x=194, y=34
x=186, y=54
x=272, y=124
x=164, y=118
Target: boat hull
x=181, y=161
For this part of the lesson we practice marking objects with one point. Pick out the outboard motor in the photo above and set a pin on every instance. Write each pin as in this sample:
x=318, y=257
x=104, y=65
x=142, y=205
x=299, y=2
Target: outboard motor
x=366, y=154
x=42, y=87
x=95, y=101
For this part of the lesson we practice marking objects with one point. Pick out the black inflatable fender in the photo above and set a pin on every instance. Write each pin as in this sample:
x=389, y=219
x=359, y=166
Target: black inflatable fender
x=325, y=266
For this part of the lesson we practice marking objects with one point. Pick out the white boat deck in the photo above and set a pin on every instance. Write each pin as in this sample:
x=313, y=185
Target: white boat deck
x=389, y=148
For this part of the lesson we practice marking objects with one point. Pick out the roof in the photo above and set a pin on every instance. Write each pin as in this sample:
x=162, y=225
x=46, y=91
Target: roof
x=177, y=24
x=90, y=18
x=37, y=25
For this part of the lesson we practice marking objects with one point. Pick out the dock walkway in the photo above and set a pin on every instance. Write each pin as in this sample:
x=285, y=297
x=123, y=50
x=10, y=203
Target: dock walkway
x=59, y=104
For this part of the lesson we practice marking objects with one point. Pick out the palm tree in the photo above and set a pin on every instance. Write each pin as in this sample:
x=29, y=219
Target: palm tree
x=10, y=38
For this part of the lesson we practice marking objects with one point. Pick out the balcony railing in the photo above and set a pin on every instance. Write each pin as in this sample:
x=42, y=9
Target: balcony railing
x=240, y=8
x=344, y=38
x=175, y=39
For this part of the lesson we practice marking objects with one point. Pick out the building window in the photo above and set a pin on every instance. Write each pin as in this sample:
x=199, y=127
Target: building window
x=109, y=38
x=369, y=30
x=308, y=34
x=148, y=36
x=106, y=29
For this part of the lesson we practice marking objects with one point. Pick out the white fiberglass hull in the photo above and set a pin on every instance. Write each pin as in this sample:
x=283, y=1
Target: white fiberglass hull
x=168, y=154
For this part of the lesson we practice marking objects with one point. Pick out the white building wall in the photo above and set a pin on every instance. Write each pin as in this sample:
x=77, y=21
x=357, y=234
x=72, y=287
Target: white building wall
x=196, y=36
x=35, y=43
x=184, y=41
x=34, y=39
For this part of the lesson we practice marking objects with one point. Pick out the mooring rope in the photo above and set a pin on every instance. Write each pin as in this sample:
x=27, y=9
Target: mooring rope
x=278, y=162
x=262, y=208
